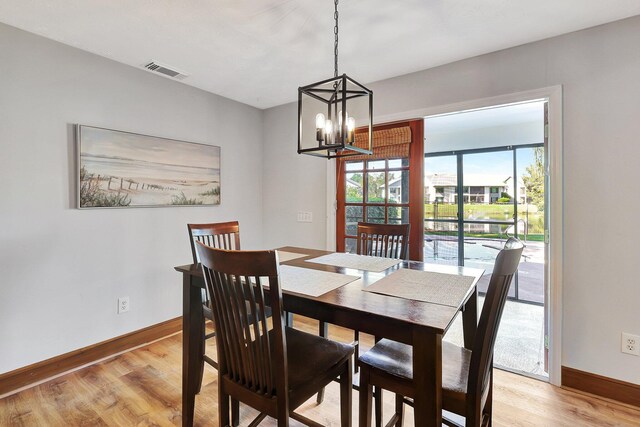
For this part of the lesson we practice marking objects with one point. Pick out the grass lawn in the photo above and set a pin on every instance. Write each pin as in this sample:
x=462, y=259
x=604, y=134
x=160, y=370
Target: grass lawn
x=495, y=211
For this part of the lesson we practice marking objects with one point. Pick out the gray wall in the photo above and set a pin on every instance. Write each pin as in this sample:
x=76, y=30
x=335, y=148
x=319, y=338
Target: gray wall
x=62, y=268
x=291, y=183
x=599, y=69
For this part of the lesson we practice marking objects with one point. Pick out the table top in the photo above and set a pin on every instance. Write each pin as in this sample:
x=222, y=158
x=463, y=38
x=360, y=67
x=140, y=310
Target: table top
x=377, y=310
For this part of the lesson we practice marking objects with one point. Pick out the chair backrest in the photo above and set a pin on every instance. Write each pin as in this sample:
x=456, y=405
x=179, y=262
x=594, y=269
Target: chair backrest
x=383, y=240
x=220, y=235
x=248, y=353
x=480, y=367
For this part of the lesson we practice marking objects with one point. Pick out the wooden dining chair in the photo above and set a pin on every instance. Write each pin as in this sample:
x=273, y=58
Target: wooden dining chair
x=383, y=240
x=467, y=375
x=386, y=241
x=272, y=370
x=221, y=235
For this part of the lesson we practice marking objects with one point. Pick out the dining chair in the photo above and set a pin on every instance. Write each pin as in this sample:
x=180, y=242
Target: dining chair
x=272, y=370
x=381, y=240
x=221, y=235
x=467, y=374
x=387, y=241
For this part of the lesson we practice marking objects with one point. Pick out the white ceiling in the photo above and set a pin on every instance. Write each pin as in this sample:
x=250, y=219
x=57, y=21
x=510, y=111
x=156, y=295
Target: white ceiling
x=259, y=51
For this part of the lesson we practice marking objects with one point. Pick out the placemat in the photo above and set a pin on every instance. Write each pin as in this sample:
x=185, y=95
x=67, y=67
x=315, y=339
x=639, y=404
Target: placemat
x=427, y=286
x=308, y=281
x=285, y=256
x=358, y=262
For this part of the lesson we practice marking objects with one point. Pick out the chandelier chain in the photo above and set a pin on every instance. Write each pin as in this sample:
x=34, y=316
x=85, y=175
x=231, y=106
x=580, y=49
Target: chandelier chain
x=335, y=46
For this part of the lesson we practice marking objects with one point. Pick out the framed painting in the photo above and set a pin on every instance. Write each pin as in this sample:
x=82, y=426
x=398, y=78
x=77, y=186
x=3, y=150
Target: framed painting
x=119, y=169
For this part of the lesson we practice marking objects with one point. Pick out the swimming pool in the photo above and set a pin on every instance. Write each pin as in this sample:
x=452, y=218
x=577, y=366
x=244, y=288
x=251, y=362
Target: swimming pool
x=476, y=251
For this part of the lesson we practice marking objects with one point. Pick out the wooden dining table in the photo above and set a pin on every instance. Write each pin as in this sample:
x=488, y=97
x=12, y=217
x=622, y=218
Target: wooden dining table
x=419, y=324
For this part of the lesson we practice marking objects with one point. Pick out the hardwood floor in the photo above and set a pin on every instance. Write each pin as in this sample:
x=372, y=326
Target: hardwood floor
x=142, y=387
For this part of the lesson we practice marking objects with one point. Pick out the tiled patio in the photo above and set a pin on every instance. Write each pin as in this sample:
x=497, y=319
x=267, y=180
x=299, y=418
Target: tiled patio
x=520, y=342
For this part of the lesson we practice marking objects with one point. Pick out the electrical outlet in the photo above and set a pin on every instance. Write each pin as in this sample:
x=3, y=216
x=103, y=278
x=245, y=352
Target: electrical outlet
x=123, y=305
x=630, y=344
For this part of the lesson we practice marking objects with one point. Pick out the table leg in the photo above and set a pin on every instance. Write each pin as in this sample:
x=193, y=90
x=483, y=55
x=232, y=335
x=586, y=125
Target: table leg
x=192, y=326
x=427, y=376
x=323, y=331
x=470, y=320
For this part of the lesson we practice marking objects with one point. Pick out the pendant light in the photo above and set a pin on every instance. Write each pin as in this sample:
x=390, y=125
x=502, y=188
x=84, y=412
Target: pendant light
x=330, y=110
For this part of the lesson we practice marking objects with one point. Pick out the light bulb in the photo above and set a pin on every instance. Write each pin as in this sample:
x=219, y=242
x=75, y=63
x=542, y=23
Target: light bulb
x=340, y=119
x=320, y=121
x=328, y=127
x=351, y=127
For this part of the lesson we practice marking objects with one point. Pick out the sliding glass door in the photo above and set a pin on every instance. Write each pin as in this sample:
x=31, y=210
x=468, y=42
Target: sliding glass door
x=474, y=201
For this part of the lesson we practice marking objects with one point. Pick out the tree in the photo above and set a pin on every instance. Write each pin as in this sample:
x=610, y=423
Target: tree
x=534, y=179
x=354, y=192
x=376, y=186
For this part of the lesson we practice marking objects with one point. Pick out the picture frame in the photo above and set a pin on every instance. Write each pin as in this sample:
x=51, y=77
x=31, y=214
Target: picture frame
x=119, y=169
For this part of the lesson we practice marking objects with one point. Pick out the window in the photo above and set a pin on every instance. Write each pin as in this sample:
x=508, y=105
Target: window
x=383, y=188
x=387, y=195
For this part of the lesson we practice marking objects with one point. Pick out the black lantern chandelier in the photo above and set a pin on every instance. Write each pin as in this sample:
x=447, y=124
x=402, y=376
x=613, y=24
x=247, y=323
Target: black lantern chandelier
x=327, y=112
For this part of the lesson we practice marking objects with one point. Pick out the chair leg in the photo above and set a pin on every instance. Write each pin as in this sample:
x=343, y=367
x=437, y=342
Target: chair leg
x=204, y=347
x=377, y=402
x=488, y=406
x=399, y=410
x=223, y=406
x=235, y=413
x=323, y=331
x=356, y=338
x=346, y=388
x=282, y=415
x=377, y=396
x=366, y=394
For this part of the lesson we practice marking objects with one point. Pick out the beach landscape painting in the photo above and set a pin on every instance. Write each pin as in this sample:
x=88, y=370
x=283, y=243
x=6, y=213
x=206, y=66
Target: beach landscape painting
x=119, y=169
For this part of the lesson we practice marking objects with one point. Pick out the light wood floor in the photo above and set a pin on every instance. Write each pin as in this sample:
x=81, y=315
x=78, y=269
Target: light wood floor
x=142, y=387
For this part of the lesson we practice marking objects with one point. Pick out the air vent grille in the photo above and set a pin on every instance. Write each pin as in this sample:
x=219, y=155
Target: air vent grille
x=167, y=71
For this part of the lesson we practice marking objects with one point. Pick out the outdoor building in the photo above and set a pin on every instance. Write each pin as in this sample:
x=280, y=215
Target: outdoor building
x=479, y=188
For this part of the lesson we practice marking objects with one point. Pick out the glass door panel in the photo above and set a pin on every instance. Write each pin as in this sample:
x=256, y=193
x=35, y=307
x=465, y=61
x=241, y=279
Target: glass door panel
x=488, y=186
x=441, y=243
x=531, y=195
x=375, y=191
x=489, y=195
x=531, y=223
x=441, y=210
x=375, y=187
x=440, y=187
x=353, y=215
x=398, y=182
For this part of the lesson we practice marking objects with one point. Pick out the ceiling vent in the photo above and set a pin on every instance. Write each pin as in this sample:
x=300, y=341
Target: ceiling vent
x=163, y=69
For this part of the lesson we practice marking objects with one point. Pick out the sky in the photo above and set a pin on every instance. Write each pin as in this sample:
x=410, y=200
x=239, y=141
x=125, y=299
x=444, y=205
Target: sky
x=495, y=163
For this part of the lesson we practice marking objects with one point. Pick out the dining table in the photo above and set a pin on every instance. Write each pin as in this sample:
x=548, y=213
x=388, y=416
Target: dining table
x=418, y=323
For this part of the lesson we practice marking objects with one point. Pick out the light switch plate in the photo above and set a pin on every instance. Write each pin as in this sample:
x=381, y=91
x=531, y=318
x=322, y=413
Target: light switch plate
x=304, y=216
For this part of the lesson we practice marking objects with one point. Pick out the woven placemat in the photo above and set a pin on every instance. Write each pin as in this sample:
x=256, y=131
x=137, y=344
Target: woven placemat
x=357, y=262
x=427, y=286
x=308, y=281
